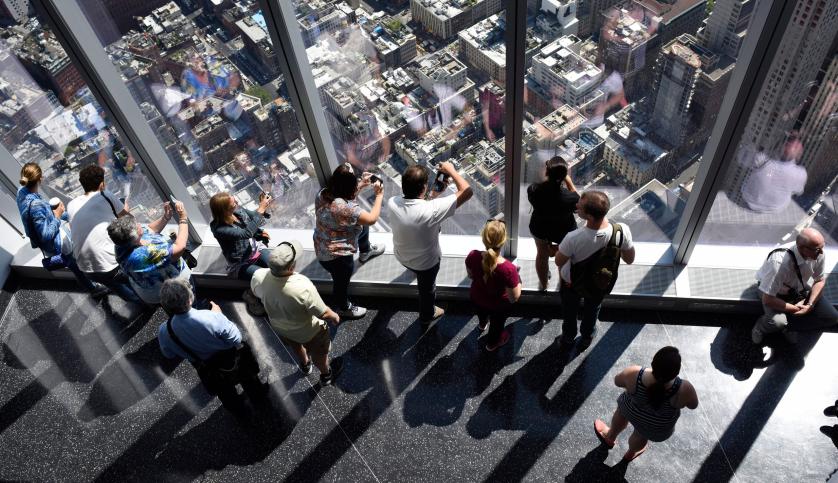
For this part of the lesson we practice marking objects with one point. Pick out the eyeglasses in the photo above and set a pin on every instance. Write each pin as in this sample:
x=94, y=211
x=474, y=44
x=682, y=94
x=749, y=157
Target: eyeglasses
x=818, y=250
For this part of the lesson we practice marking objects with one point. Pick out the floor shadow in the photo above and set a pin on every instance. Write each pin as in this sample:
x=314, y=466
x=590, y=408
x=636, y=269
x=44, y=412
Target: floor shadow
x=440, y=396
x=593, y=468
x=161, y=454
x=732, y=352
x=127, y=381
x=385, y=365
x=521, y=402
x=61, y=336
x=744, y=429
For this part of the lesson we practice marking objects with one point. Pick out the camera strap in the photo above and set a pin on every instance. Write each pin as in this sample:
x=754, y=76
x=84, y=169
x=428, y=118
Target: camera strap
x=794, y=261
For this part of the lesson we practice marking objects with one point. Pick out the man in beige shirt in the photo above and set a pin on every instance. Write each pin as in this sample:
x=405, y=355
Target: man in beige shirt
x=296, y=311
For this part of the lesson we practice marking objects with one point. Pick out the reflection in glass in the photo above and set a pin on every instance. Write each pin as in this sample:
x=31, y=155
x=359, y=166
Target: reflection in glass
x=783, y=177
x=417, y=82
x=627, y=93
x=49, y=116
x=209, y=84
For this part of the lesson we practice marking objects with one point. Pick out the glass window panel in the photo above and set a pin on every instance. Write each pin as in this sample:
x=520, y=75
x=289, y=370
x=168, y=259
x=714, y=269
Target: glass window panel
x=783, y=177
x=49, y=116
x=627, y=94
x=209, y=84
x=416, y=82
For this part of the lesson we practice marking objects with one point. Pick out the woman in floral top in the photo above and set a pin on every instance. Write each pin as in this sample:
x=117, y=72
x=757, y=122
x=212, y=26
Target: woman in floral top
x=342, y=229
x=146, y=256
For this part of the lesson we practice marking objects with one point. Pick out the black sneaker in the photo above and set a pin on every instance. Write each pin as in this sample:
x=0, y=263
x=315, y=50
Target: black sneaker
x=831, y=411
x=335, y=368
x=585, y=342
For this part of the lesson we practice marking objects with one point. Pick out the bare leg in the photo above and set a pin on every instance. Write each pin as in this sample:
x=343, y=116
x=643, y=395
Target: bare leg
x=322, y=363
x=637, y=444
x=302, y=356
x=542, y=256
x=618, y=424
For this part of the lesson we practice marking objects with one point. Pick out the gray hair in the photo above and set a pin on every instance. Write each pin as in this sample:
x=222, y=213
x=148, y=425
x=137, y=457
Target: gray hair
x=123, y=231
x=176, y=296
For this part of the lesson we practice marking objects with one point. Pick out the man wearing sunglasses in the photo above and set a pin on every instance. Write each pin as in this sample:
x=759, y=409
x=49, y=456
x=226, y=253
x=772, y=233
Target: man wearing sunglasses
x=791, y=283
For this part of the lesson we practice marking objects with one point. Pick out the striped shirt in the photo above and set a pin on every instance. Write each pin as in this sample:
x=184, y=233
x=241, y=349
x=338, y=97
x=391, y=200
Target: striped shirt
x=656, y=424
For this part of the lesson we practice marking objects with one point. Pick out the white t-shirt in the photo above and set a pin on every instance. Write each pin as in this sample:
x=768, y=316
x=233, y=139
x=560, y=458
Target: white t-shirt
x=90, y=215
x=583, y=242
x=768, y=188
x=777, y=275
x=293, y=305
x=416, y=225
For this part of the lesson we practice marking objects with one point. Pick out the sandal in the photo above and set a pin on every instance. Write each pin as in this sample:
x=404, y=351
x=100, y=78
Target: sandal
x=601, y=429
x=629, y=460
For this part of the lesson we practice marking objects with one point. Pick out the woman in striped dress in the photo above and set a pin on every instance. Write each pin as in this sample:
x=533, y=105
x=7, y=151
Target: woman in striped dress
x=652, y=403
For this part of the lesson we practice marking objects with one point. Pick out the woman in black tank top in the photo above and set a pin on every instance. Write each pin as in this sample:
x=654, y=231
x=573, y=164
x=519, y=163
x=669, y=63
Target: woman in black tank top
x=652, y=403
x=553, y=203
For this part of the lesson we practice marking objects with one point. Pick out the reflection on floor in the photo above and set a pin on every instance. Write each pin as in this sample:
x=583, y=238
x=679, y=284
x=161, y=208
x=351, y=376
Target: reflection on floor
x=86, y=395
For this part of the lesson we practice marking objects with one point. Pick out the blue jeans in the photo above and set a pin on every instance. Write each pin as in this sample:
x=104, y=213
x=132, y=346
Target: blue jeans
x=246, y=272
x=570, y=309
x=342, y=268
x=117, y=281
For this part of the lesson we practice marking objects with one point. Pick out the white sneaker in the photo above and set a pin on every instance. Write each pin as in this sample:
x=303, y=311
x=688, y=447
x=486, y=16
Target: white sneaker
x=375, y=250
x=353, y=312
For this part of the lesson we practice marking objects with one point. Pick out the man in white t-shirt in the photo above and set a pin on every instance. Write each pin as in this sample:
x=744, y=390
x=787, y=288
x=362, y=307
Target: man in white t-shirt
x=578, y=246
x=791, y=302
x=93, y=249
x=296, y=311
x=771, y=183
x=416, y=224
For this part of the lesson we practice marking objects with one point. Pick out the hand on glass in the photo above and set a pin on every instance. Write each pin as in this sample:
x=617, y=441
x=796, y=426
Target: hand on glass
x=214, y=307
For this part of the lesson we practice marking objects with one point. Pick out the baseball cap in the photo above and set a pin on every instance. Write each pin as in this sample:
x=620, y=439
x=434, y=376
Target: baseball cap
x=284, y=255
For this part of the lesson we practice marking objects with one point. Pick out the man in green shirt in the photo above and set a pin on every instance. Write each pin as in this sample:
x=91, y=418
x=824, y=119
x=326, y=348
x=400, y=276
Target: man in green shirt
x=296, y=311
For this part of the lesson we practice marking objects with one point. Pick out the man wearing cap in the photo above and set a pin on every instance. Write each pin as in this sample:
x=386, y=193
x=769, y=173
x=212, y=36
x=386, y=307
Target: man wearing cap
x=791, y=283
x=296, y=311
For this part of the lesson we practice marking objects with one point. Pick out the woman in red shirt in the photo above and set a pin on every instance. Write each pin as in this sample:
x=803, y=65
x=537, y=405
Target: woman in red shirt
x=495, y=284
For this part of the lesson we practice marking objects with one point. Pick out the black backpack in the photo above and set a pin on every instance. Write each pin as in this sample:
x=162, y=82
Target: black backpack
x=595, y=276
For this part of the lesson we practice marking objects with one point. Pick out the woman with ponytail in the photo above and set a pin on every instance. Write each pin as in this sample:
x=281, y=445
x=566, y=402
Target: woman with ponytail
x=47, y=227
x=494, y=284
x=652, y=403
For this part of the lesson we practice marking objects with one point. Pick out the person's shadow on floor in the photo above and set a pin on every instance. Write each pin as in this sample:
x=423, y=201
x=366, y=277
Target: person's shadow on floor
x=732, y=352
x=592, y=467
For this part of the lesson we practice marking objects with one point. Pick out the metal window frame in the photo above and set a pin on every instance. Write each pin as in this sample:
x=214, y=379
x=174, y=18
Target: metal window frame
x=516, y=31
x=76, y=35
x=288, y=44
x=765, y=33
x=10, y=171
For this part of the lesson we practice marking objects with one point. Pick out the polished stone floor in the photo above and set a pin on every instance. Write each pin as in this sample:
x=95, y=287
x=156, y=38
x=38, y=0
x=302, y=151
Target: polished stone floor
x=85, y=394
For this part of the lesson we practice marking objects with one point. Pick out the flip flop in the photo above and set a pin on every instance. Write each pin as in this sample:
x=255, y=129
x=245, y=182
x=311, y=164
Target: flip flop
x=600, y=430
x=629, y=460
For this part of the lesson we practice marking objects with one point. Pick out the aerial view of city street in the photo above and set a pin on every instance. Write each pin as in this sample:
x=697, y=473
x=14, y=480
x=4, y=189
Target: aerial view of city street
x=627, y=92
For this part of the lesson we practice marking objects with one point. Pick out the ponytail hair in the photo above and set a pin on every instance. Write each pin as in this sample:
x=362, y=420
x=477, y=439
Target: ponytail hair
x=665, y=367
x=494, y=237
x=30, y=175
